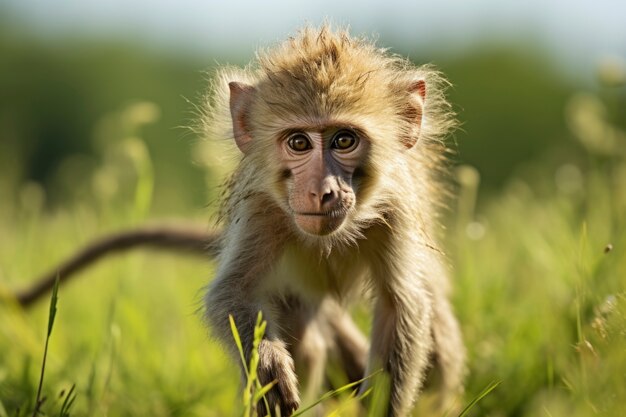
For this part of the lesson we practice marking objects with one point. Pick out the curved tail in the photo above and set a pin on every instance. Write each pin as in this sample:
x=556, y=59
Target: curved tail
x=193, y=241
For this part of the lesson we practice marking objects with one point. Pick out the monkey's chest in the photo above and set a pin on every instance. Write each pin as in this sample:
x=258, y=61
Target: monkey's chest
x=307, y=273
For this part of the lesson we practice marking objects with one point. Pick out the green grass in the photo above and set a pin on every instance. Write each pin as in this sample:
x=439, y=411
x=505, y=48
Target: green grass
x=539, y=272
x=542, y=297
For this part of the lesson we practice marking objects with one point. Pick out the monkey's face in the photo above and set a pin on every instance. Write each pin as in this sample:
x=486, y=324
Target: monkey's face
x=318, y=166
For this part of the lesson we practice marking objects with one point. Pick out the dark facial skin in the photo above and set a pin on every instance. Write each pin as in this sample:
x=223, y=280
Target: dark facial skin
x=319, y=165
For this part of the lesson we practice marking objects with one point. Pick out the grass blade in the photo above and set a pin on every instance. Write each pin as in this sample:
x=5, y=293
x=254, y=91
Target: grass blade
x=53, y=306
x=480, y=396
x=262, y=391
x=3, y=411
x=333, y=393
x=51, y=315
x=68, y=402
x=233, y=329
x=380, y=395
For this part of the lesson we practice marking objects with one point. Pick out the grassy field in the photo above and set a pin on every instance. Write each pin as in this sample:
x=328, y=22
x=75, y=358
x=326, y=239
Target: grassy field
x=539, y=272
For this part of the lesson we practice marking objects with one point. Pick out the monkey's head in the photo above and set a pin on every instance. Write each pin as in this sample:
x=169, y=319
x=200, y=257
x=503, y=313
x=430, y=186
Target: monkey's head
x=315, y=163
x=327, y=124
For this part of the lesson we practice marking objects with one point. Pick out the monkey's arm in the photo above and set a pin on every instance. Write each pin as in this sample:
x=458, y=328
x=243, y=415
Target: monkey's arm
x=191, y=240
x=401, y=332
x=240, y=289
x=401, y=344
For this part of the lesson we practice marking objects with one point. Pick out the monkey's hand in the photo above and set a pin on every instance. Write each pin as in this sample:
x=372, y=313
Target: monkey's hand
x=275, y=364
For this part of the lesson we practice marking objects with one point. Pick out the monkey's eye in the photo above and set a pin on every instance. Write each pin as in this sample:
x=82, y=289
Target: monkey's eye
x=344, y=141
x=299, y=142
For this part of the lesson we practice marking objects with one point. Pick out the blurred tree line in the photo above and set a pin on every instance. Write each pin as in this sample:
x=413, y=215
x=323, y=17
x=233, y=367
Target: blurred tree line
x=56, y=95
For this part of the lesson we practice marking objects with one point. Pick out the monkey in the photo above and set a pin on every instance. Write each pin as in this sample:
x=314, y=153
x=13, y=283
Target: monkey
x=336, y=194
x=337, y=188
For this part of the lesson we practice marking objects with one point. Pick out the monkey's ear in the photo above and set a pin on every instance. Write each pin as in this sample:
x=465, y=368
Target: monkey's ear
x=241, y=96
x=414, y=111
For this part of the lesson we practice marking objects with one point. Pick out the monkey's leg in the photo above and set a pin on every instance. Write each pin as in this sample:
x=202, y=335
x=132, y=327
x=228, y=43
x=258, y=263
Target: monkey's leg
x=311, y=331
x=310, y=358
x=401, y=340
x=349, y=343
x=307, y=339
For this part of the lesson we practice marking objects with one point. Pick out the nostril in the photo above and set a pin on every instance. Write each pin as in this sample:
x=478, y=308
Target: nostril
x=329, y=198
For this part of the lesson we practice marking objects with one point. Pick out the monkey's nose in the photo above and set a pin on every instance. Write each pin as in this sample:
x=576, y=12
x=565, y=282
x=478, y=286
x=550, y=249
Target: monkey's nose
x=325, y=197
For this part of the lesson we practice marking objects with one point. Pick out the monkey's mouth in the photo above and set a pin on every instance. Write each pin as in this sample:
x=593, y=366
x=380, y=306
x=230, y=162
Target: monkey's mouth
x=320, y=223
x=332, y=213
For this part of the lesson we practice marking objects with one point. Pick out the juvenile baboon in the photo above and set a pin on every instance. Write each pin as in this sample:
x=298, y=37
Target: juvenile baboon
x=336, y=193
x=336, y=189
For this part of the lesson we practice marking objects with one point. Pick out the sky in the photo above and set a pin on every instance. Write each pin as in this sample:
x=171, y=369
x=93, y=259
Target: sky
x=575, y=31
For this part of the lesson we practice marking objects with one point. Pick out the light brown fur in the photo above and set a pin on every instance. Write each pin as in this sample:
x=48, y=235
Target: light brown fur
x=323, y=78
